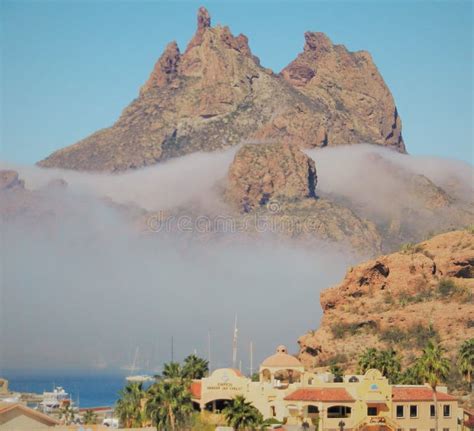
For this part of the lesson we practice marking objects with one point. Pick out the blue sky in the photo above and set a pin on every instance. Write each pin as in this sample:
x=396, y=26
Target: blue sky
x=69, y=68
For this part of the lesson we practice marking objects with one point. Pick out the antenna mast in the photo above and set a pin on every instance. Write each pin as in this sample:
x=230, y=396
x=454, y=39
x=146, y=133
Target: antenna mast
x=251, y=359
x=209, y=350
x=172, y=349
x=234, y=345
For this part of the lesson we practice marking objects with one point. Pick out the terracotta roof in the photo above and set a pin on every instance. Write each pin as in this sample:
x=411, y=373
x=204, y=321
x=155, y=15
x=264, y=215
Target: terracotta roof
x=237, y=372
x=6, y=407
x=196, y=389
x=418, y=393
x=320, y=394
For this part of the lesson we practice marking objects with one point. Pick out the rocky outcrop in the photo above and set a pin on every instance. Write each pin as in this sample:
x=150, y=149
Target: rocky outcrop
x=277, y=184
x=361, y=105
x=262, y=172
x=398, y=300
x=9, y=180
x=216, y=95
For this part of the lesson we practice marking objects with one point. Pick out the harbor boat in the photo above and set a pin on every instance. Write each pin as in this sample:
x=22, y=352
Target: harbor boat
x=137, y=378
x=54, y=400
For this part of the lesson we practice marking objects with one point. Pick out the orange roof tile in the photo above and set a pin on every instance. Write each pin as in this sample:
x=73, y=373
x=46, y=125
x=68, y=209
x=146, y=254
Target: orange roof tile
x=196, y=389
x=320, y=394
x=420, y=393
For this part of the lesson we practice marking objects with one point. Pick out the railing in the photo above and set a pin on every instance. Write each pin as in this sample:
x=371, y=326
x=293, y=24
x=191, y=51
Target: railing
x=377, y=420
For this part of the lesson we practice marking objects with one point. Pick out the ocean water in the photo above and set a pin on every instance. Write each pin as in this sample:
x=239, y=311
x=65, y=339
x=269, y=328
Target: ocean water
x=88, y=389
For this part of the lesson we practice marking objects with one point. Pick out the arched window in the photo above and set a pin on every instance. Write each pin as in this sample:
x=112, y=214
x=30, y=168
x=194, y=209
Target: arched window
x=339, y=412
x=353, y=379
x=313, y=409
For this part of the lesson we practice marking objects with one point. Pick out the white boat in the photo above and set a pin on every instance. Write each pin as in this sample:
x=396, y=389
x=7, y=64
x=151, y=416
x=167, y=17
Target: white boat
x=55, y=399
x=137, y=378
x=140, y=378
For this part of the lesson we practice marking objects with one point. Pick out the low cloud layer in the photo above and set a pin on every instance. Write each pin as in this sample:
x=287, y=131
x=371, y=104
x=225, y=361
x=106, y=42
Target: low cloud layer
x=87, y=289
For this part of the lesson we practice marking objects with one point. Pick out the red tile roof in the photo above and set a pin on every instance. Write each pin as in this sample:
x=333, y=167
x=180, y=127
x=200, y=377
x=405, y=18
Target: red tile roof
x=196, y=389
x=320, y=394
x=419, y=393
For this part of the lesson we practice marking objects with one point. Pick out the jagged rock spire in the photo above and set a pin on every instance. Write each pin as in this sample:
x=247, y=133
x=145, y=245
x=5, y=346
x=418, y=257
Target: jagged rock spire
x=166, y=68
x=203, y=19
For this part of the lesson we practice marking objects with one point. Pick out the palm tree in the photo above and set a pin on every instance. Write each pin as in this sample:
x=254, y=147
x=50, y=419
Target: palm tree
x=411, y=376
x=172, y=370
x=129, y=408
x=169, y=404
x=241, y=414
x=368, y=359
x=434, y=368
x=195, y=367
x=389, y=364
x=386, y=361
x=90, y=417
x=67, y=414
x=466, y=360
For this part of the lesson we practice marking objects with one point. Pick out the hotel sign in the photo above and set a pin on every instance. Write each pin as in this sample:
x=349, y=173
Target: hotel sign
x=224, y=387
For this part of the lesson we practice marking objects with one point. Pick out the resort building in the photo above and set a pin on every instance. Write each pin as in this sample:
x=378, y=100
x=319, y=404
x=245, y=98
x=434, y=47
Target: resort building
x=289, y=393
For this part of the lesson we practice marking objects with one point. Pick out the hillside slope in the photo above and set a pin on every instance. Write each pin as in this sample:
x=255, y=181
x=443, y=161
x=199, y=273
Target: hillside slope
x=398, y=300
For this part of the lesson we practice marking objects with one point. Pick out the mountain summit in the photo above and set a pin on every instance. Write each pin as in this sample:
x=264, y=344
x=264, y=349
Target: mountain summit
x=216, y=94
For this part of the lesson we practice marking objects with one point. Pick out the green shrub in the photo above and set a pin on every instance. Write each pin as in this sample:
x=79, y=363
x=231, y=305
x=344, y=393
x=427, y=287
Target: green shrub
x=341, y=330
x=446, y=287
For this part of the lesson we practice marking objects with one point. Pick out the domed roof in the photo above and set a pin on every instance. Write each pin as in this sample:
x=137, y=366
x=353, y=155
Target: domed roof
x=281, y=359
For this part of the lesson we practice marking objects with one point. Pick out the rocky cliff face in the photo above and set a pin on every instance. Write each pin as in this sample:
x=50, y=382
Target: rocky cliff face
x=360, y=103
x=216, y=94
x=398, y=300
x=277, y=184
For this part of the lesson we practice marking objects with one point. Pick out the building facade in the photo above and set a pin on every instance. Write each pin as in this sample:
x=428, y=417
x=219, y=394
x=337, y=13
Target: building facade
x=287, y=392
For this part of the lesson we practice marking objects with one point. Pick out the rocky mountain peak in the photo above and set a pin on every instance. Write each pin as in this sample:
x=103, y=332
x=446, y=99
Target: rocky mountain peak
x=203, y=19
x=216, y=95
x=317, y=42
x=166, y=68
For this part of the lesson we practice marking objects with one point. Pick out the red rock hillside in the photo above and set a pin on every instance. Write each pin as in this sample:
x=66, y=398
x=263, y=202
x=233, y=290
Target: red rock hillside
x=394, y=299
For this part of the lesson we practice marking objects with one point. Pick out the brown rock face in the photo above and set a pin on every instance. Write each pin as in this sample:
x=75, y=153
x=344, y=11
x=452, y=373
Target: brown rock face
x=352, y=87
x=277, y=182
x=393, y=300
x=261, y=172
x=9, y=180
x=216, y=94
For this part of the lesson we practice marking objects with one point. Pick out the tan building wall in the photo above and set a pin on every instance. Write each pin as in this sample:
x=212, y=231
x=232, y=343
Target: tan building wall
x=423, y=420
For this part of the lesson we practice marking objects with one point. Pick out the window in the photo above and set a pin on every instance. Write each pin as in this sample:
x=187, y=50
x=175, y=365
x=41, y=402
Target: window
x=272, y=408
x=412, y=429
x=445, y=429
x=446, y=410
x=313, y=409
x=413, y=412
x=371, y=411
x=432, y=429
x=339, y=412
x=400, y=412
x=432, y=410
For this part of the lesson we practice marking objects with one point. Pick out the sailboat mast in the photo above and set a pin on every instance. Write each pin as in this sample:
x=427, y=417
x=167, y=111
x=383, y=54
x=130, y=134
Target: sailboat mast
x=172, y=349
x=234, y=345
x=251, y=359
x=209, y=350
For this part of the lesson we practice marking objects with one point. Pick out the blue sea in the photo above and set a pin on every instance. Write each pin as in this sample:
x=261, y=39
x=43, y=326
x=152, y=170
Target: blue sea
x=88, y=389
